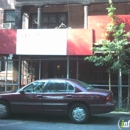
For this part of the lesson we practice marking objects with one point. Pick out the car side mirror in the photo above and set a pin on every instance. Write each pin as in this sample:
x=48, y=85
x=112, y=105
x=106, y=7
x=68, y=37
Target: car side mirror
x=90, y=85
x=22, y=92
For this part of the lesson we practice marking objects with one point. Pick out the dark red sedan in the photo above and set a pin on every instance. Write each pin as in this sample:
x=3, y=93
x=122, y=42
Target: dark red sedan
x=58, y=96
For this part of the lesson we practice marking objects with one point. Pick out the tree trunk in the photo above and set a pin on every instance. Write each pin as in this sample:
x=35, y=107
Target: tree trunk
x=120, y=89
x=128, y=99
x=109, y=79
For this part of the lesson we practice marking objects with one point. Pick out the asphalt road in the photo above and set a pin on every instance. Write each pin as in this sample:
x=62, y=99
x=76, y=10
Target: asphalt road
x=45, y=122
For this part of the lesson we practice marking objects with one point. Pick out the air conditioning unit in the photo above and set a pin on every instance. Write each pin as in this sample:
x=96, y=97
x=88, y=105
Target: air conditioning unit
x=7, y=26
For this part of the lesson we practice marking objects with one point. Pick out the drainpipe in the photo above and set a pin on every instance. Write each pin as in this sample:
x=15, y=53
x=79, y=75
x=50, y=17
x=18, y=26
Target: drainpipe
x=39, y=14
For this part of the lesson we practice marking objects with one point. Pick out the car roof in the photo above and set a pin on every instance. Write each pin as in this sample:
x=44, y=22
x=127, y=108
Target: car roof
x=66, y=79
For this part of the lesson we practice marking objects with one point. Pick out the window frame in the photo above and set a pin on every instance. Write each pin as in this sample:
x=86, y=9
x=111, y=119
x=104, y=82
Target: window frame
x=9, y=21
x=48, y=24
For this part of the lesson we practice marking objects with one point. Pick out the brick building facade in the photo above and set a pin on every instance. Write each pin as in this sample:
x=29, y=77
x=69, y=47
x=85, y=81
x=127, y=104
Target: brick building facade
x=79, y=18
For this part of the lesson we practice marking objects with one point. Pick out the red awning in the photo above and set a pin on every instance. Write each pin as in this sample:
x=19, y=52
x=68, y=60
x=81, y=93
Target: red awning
x=46, y=42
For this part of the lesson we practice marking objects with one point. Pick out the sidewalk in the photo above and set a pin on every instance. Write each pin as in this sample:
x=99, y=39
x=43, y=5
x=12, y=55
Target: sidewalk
x=120, y=112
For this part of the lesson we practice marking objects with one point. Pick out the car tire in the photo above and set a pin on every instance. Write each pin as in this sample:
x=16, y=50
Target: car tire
x=79, y=113
x=4, y=110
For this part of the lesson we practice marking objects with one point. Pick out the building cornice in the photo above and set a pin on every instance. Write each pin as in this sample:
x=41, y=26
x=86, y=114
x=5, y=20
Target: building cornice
x=50, y=2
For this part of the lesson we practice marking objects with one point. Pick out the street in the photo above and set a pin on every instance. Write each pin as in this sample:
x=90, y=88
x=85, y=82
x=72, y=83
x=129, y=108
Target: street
x=45, y=122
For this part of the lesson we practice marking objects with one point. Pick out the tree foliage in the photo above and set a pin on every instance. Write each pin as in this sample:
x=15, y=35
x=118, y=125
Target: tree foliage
x=112, y=50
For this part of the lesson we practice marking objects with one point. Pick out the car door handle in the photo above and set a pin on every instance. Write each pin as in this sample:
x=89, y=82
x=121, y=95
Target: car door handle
x=68, y=95
x=39, y=96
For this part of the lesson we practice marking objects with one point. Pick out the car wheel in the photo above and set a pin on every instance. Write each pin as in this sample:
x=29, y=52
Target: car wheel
x=4, y=110
x=79, y=113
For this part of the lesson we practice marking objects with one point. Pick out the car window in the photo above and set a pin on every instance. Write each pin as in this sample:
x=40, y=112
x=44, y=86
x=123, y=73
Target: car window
x=83, y=84
x=59, y=86
x=53, y=86
x=70, y=88
x=35, y=87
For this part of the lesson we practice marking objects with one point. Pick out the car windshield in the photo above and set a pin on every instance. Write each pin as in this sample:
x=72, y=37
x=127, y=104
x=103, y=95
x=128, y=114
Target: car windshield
x=83, y=84
x=33, y=87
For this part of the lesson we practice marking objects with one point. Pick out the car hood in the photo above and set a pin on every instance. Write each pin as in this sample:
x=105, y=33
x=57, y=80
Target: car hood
x=7, y=93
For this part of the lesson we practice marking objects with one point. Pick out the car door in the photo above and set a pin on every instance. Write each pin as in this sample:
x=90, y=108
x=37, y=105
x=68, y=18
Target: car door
x=29, y=99
x=57, y=95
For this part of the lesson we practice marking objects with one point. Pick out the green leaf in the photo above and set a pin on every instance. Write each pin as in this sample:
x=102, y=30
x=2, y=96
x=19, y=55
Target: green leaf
x=113, y=52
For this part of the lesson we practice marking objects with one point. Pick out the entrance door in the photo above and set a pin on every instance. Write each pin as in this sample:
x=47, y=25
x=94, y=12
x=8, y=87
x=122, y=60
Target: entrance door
x=54, y=69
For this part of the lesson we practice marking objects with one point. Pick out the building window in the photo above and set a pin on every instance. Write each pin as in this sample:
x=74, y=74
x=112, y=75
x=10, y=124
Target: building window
x=49, y=20
x=9, y=16
x=1, y=16
x=2, y=65
x=10, y=65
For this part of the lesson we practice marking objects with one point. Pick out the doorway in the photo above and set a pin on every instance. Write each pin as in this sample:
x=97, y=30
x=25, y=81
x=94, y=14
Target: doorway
x=53, y=69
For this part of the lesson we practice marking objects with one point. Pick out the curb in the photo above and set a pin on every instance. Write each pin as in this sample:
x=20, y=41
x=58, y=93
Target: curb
x=120, y=112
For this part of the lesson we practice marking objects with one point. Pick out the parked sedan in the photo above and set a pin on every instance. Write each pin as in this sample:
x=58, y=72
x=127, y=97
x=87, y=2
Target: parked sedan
x=72, y=97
